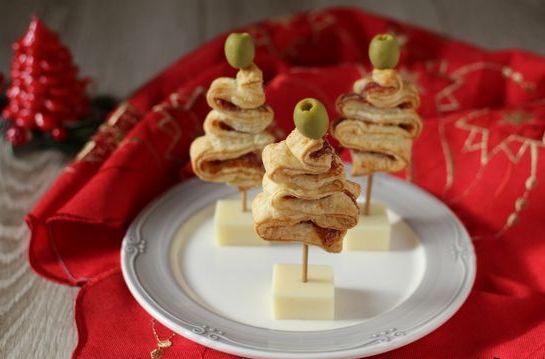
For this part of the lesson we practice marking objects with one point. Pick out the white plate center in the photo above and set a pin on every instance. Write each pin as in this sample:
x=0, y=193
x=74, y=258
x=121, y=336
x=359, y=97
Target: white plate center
x=235, y=282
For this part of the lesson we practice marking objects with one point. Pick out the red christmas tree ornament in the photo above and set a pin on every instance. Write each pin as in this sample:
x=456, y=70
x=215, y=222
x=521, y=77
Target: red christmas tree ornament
x=18, y=135
x=45, y=93
x=59, y=134
x=2, y=97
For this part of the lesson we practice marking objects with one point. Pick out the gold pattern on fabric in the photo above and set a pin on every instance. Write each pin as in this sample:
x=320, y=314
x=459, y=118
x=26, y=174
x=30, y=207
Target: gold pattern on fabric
x=446, y=101
x=110, y=134
x=168, y=123
x=478, y=139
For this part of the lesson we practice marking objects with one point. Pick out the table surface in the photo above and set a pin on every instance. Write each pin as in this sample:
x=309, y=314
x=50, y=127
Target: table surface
x=120, y=45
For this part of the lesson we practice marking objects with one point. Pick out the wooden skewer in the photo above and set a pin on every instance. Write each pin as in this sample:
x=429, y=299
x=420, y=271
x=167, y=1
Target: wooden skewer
x=409, y=172
x=244, y=193
x=305, y=263
x=368, y=194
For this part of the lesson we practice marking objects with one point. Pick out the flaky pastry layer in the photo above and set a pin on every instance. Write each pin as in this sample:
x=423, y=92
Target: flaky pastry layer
x=379, y=122
x=235, y=131
x=306, y=197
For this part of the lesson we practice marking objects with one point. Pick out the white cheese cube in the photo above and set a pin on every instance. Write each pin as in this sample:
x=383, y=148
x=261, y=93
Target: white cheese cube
x=372, y=233
x=294, y=299
x=233, y=227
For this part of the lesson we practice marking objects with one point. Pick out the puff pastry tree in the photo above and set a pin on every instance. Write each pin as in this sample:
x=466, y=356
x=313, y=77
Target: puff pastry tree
x=306, y=197
x=235, y=128
x=378, y=119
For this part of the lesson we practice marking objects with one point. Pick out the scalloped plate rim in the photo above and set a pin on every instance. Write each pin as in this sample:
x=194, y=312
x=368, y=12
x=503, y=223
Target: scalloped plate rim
x=203, y=335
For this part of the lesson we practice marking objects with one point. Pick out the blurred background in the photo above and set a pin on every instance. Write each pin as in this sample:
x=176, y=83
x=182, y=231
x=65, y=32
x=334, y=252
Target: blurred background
x=122, y=43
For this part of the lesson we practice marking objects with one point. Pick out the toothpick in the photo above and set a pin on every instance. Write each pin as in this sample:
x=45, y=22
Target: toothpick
x=243, y=192
x=409, y=172
x=368, y=190
x=305, y=263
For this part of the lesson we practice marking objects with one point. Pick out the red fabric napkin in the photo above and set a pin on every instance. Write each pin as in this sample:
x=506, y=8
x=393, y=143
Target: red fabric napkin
x=481, y=152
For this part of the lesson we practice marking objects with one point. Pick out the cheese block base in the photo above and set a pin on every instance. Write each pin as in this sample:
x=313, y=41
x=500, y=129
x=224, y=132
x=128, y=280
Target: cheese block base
x=232, y=227
x=293, y=299
x=372, y=233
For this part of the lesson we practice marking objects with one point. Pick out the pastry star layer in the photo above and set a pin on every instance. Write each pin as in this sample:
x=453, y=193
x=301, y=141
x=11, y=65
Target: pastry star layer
x=235, y=131
x=379, y=122
x=306, y=197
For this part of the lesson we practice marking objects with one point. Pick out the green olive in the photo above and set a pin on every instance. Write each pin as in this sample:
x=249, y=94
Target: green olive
x=384, y=51
x=239, y=50
x=311, y=119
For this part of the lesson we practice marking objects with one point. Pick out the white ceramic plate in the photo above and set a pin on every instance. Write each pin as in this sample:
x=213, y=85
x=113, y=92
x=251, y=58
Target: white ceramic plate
x=220, y=296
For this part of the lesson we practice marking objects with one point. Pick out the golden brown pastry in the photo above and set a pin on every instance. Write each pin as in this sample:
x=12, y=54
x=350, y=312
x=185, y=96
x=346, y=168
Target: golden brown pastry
x=306, y=197
x=379, y=122
x=235, y=131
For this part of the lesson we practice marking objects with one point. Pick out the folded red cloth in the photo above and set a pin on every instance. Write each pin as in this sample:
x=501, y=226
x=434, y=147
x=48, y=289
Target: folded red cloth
x=481, y=152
